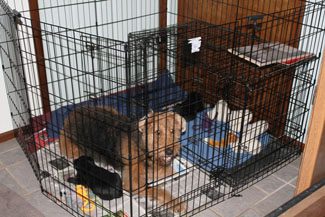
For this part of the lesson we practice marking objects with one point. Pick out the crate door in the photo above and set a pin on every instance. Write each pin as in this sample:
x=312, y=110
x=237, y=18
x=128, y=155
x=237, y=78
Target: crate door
x=15, y=80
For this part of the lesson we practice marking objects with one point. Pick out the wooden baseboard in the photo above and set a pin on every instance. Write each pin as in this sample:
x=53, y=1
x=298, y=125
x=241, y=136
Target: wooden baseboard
x=7, y=136
x=311, y=206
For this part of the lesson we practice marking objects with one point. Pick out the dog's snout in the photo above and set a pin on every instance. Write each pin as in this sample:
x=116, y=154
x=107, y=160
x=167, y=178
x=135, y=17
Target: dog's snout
x=169, y=151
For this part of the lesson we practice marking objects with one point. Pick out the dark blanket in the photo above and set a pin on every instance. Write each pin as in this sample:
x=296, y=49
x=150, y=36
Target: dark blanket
x=155, y=95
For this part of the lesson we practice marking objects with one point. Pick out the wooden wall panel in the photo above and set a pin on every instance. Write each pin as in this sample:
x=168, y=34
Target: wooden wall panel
x=163, y=24
x=39, y=54
x=284, y=27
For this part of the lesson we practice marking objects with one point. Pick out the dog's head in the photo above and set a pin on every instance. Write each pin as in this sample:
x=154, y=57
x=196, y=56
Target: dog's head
x=163, y=131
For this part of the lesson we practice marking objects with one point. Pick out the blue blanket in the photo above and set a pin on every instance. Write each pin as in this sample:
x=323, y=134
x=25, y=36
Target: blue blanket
x=155, y=95
x=198, y=152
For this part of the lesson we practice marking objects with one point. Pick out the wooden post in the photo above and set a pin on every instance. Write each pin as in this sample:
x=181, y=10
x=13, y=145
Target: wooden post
x=163, y=25
x=312, y=167
x=39, y=53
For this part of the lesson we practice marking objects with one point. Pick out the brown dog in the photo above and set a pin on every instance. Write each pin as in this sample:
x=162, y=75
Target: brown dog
x=144, y=155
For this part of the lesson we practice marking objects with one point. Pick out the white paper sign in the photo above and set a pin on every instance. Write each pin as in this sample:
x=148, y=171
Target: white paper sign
x=196, y=44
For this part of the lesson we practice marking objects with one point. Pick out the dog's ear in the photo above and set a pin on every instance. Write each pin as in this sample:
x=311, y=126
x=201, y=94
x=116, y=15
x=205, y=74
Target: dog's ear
x=142, y=122
x=181, y=122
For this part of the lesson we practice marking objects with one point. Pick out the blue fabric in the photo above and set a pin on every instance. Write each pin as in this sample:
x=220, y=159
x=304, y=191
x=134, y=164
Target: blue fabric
x=157, y=94
x=198, y=152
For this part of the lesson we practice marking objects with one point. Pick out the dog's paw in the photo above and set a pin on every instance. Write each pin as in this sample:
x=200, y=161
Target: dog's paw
x=180, y=207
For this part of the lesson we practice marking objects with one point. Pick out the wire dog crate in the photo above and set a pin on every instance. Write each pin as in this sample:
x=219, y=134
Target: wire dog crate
x=158, y=107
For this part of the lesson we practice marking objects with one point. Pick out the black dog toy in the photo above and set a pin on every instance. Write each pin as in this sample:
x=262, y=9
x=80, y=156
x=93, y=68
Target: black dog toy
x=104, y=184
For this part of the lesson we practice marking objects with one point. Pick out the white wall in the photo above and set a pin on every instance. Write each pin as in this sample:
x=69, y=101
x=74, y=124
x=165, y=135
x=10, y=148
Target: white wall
x=109, y=11
x=6, y=122
x=5, y=118
x=313, y=41
x=116, y=18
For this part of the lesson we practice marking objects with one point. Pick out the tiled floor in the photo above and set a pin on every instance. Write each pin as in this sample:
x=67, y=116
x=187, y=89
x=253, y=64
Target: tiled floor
x=258, y=200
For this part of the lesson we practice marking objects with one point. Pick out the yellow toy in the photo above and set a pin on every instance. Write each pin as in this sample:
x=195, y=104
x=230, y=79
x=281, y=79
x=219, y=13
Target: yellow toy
x=87, y=204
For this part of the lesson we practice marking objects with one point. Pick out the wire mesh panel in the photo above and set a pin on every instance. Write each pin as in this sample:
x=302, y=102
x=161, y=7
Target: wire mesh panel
x=15, y=80
x=149, y=108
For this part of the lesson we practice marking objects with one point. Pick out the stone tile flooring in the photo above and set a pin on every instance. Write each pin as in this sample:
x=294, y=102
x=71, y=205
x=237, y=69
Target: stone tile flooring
x=258, y=200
